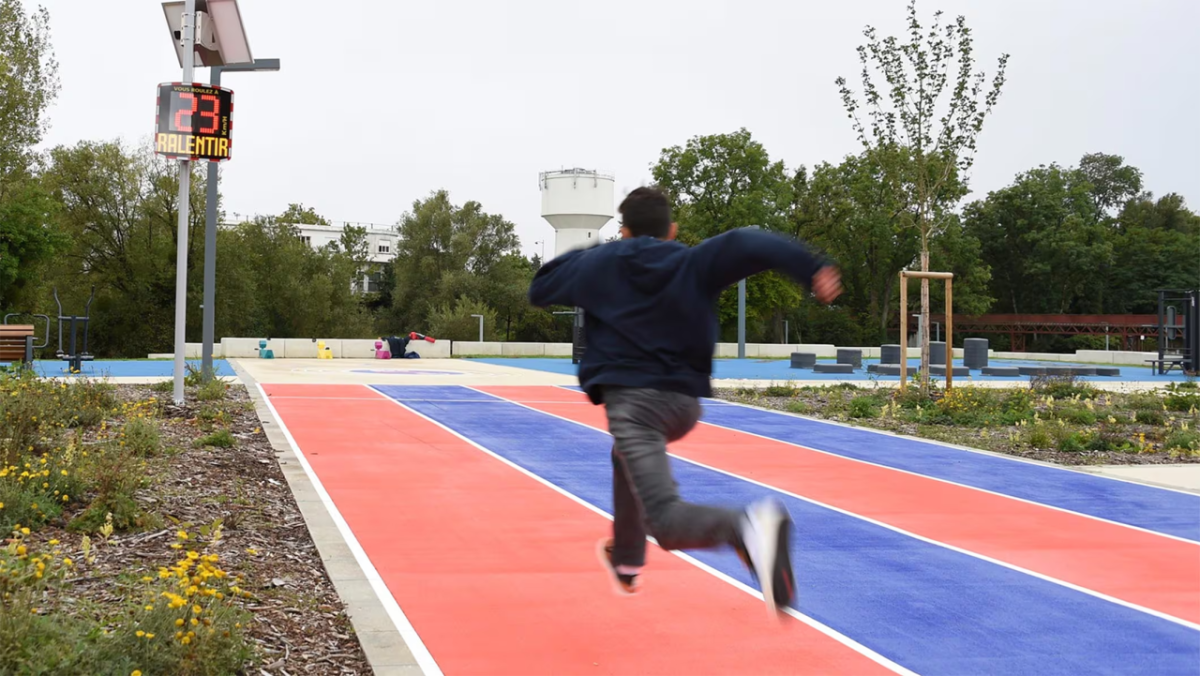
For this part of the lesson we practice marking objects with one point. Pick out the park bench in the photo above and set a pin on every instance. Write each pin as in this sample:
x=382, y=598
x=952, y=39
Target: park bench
x=16, y=343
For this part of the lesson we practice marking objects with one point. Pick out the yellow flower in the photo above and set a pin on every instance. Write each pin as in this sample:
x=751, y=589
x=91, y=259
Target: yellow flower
x=149, y=635
x=149, y=607
x=136, y=672
x=140, y=633
x=179, y=622
x=67, y=562
x=25, y=531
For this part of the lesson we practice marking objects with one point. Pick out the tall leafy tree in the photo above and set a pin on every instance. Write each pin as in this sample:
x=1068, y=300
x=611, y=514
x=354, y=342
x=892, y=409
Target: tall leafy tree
x=931, y=110
x=722, y=182
x=439, y=243
x=28, y=86
x=118, y=207
x=1045, y=241
x=854, y=212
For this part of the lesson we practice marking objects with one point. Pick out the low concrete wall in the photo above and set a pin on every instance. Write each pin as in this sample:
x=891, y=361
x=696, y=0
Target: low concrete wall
x=306, y=348
x=475, y=348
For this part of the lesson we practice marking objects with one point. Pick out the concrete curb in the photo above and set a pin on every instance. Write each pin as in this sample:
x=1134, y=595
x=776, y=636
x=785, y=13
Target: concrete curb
x=381, y=641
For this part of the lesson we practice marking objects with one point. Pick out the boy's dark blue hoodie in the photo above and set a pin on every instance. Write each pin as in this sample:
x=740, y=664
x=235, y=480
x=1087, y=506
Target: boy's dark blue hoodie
x=650, y=306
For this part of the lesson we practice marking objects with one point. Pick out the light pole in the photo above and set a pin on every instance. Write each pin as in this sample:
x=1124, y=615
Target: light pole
x=742, y=314
x=210, y=223
x=480, y=327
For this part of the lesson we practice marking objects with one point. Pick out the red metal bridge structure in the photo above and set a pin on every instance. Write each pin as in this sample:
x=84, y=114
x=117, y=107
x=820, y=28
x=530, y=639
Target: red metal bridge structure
x=1129, y=329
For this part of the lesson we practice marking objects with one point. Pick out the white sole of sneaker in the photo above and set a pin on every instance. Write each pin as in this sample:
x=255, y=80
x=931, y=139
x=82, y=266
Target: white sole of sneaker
x=766, y=520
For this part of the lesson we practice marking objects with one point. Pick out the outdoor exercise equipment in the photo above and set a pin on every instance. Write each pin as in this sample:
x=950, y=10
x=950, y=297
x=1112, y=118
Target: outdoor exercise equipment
x=324, y=352
x=1172, y=326
x=263, y=352
x=74, y=359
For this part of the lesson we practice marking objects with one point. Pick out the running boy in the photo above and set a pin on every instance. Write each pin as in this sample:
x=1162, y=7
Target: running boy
x=650, y=319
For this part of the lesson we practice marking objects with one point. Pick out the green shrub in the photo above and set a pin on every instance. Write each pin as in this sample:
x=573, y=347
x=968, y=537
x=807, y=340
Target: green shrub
x=116, y=473
x=1149, y=417
x=1062, y=387
x=1072, y=442
x=1183, y=440
x=1182, y=402
x=185, y=620
x=863, y=407
x=213, y=390
x=797, y=406
x=1078, y=416
x=141, y=437
x=1039, y=437
x=786, y=390
x=221, y=438
x=1107, y=441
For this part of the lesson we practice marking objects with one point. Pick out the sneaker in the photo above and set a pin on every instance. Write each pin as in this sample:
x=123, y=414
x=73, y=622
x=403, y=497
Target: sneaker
x=624, y=584
x=766, y=539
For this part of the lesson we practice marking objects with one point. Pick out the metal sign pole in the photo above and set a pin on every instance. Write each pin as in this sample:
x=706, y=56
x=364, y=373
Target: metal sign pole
x=189, y=51
x=210, y=256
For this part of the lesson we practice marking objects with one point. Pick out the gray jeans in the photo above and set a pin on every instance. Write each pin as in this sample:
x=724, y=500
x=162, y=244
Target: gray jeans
x=645, y=494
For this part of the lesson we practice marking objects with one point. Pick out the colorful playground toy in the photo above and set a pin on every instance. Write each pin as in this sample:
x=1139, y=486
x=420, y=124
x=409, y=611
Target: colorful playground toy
x=324, y=352
x=263, y=352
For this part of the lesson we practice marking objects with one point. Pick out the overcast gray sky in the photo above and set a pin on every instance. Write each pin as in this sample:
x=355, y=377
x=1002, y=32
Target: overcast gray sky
x=378, y=103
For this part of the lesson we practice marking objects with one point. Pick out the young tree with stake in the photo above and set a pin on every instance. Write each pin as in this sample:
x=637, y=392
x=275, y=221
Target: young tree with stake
x=933, y=120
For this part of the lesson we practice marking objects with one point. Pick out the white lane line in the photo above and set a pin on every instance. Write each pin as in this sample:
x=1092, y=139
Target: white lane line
x=415, y=645
x=840, y=638
x=982, y=557
x=950, y=481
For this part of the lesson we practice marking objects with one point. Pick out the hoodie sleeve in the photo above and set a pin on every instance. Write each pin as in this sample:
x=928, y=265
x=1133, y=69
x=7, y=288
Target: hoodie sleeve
x=558, y=282
x=732, y=256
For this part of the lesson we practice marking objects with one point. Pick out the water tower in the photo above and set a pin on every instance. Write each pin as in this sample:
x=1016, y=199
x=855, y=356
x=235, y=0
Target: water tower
x=577, y=203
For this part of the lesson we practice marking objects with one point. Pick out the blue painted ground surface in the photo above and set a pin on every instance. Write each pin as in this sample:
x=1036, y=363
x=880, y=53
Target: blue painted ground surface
x=781, y=370
x=125, y=369
x=930, y=609
x=1133, y=504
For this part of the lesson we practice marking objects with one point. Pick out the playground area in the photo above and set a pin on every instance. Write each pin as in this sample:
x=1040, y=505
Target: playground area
x=473, y=494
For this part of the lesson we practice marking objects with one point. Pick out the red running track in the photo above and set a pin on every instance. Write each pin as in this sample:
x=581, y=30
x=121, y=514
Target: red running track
x=1138, y=567
x=497, y=572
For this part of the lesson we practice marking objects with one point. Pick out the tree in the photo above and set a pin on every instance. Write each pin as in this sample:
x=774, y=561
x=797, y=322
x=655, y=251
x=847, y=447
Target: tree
x=1045, y=241
x=29, y=241
x=444, y=246
x=853, y=213
x=941, y=140
x=1156, y=246
x=726, y=181
x=118, y=207
x=28, y=85
x=298, y=214
x=1112, y=181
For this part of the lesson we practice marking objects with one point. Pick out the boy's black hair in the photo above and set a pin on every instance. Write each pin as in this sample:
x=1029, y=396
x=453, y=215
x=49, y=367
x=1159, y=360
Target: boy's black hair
x=646, y=212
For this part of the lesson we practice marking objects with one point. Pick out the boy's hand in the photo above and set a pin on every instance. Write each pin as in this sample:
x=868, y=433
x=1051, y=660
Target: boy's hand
x=827, y=284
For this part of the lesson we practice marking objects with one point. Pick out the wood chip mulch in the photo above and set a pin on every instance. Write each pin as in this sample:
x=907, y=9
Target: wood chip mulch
x=300, y=623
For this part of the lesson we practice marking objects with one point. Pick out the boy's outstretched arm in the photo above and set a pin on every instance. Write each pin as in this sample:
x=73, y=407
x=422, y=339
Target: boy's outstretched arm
x=557, y=282
x=732, y=256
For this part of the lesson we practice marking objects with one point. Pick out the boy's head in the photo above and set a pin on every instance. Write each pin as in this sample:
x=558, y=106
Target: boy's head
x=645, y=212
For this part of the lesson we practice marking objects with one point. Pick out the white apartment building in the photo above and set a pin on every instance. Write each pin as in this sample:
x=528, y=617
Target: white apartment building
x=381, y=243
